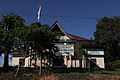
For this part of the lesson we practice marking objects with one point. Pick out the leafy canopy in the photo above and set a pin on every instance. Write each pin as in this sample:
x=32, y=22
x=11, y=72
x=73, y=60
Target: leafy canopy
x=108, y=34
x=8, y=25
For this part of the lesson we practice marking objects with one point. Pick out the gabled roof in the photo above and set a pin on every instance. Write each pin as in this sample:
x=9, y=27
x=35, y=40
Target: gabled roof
x=77, y=37
x=56, y=27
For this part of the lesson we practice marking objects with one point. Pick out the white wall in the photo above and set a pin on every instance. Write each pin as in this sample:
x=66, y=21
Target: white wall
x=100, y=62
x=73, y=63
x=27, y=62
x=15, y=61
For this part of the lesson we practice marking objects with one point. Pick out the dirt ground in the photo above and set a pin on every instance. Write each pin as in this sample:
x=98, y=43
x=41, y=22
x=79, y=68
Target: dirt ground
x=67, y=76
x=80, y=77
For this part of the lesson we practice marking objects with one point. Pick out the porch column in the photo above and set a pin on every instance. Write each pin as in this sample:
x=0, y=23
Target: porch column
x=83, y=61
x=65, y=60
x=70, y=58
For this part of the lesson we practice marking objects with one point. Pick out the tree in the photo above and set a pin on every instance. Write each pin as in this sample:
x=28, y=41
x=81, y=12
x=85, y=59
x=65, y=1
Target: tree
x=38, y=37
x=8, y=25
x=107, y=34
x=12, y=21
x=41, y=38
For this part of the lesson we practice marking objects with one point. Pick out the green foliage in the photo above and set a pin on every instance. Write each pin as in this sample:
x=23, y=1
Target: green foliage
x=107, y=34
x=14, y=33
x=8, y=25
x=40, y=38
x=35, y=24
x=12, y=21
x=83, y=51
x=37, y=36
x=7, y=39
x=113, y=65
x=8, y=30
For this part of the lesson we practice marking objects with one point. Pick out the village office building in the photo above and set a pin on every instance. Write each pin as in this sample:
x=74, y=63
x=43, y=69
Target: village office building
x=70, y=52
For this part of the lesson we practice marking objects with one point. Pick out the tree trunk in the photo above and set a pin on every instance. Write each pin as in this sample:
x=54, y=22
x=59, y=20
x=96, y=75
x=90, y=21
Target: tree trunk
x=6, y=60
x=20, y=63
x=40, y=70
x=19, y=66
x=18, y=69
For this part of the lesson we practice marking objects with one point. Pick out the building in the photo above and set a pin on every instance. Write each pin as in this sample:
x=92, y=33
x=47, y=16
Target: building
x=94, y=55
x=70, y=52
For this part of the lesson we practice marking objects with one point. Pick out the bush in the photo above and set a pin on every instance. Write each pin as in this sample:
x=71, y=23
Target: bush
x=113, y=65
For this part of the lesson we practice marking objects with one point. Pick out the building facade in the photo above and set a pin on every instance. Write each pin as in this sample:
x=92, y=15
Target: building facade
x=69, y=54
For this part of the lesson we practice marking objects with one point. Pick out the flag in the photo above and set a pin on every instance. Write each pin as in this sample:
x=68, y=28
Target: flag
x=39, y=13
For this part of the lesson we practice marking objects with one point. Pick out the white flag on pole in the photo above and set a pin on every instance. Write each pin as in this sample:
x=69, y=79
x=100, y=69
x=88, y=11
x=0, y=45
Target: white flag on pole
x=39, y=12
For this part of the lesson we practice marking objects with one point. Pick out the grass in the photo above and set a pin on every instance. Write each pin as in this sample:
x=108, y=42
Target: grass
x=113, y=72
x=60, y=74
x=27, y=74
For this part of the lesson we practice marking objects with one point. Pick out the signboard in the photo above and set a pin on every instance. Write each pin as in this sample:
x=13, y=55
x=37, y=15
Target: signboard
x=99, y=52
x=66, y=48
